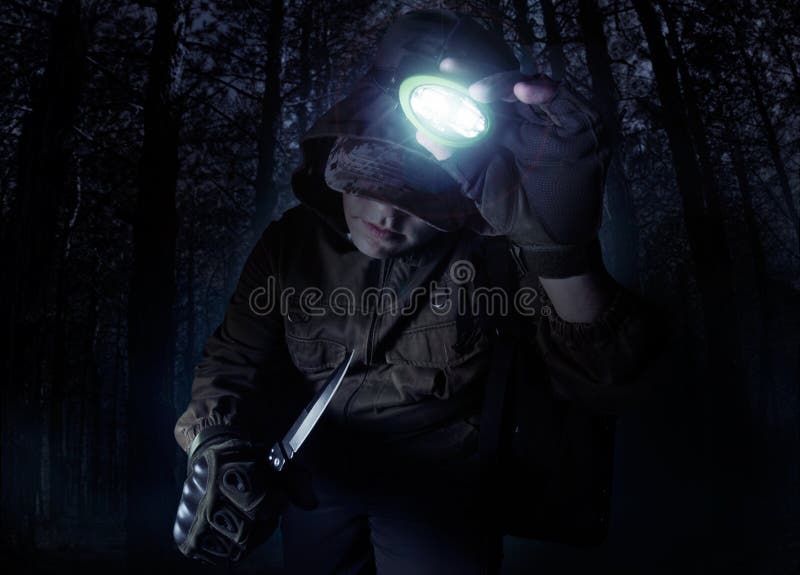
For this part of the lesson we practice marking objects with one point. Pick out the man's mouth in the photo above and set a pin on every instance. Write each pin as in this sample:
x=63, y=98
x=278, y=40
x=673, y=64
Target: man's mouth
x=382, y=233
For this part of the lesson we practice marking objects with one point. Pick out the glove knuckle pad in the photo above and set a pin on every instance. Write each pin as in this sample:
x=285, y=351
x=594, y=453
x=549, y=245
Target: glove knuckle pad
x=229, y=523
x=243, y=484
x=220, y=505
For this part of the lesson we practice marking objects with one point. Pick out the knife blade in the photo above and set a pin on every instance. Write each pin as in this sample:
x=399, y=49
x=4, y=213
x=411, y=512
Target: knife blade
x=287, y=447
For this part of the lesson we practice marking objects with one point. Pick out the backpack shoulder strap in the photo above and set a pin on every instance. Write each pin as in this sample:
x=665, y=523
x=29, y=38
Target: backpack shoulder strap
x=503, y=331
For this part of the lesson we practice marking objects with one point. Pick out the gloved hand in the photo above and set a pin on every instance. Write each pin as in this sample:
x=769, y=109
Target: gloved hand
x=231, y=500
x=539, y=180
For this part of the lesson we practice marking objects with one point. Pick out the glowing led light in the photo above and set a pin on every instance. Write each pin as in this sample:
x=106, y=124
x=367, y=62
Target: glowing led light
x=444, y=110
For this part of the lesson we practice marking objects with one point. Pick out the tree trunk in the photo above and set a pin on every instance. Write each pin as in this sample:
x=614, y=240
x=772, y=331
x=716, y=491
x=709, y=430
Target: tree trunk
x=28, y=295
x=190, y=352
x=767, y=125
x=117, y=454
x=307, y=24
x=91, y=439
x=766, y=379
x=777, y=38
x=495, y=16
x=322, y=56
x=266, y=192
x=152, y=492
x=711, y=193
x=620, y=231
x=695, y=121
x=555, y=46
x=526, y=38
x=724, y=388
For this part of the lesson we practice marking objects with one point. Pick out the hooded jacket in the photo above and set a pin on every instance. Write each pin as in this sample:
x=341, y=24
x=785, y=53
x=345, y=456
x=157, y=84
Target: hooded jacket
x=306, y=295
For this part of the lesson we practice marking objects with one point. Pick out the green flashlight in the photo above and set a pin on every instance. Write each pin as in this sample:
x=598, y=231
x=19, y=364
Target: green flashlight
x=444, y=110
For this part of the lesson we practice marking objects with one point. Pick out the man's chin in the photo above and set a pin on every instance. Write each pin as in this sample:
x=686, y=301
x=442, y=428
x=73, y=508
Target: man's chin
x=377, y=250
x=371, y=250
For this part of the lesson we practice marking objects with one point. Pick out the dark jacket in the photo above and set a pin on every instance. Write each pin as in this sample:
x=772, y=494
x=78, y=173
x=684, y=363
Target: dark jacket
x=306, y=295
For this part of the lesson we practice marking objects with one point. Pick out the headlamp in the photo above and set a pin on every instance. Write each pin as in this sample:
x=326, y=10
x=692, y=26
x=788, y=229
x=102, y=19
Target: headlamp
x=444, y=111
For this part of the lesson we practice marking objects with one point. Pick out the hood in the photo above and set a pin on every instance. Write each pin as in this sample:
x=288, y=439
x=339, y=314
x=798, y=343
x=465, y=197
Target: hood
x=414, y=44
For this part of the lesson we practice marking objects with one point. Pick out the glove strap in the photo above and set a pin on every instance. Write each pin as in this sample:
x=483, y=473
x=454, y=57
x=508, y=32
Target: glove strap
x=558, y=261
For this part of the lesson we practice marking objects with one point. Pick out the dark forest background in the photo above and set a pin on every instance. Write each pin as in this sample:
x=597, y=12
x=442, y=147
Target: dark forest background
x=144, y=145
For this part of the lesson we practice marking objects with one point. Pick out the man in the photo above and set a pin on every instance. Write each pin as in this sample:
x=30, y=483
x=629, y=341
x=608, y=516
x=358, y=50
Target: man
x=372, y=261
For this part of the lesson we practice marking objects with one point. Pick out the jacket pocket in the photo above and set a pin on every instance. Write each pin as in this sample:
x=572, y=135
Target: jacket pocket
x=313, y=355
x=433, y=346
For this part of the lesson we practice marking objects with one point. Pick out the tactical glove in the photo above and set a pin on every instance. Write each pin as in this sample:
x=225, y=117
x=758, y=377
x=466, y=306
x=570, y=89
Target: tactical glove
x=231, y=500
x=540, y=180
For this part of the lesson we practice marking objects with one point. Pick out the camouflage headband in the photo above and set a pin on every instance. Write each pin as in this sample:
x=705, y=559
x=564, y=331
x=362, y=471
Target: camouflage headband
x=408, y=180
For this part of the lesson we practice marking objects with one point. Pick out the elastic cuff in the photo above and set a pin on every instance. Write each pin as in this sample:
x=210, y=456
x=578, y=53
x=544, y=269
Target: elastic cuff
x=622, y=307
x=215, y=432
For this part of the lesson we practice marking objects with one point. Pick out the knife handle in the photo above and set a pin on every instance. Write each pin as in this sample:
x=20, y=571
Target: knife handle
x=276, y=458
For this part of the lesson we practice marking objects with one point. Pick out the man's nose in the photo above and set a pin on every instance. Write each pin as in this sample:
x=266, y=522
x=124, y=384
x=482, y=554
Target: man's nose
x=389, y=216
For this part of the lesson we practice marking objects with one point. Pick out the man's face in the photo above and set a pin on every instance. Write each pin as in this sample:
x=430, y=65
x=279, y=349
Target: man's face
x=380, y=230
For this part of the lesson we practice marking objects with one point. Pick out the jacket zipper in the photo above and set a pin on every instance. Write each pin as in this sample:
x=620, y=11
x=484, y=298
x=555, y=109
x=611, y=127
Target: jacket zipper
x=386, y=266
